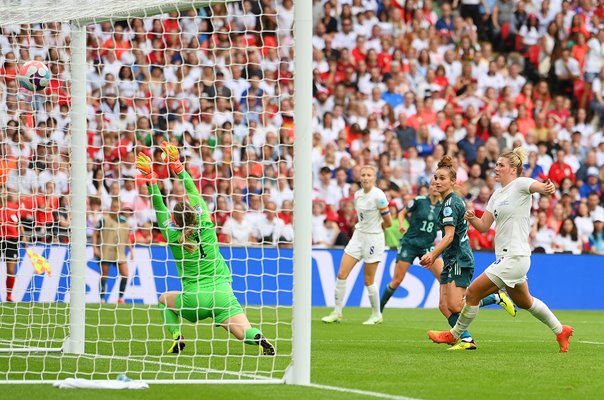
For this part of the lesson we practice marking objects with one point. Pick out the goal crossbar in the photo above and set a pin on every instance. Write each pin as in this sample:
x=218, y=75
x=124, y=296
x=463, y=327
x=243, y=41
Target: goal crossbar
x=85, y=12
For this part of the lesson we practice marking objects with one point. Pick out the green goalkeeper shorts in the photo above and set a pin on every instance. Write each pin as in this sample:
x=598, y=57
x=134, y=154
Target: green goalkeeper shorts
x=216, y=302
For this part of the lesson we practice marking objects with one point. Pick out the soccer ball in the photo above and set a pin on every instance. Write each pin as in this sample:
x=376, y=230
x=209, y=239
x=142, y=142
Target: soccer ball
x=34, y=76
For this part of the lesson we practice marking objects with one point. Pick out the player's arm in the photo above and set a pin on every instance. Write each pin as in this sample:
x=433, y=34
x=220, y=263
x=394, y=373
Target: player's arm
x=386, y=218
x=382, y=205
x=172, y=156
x=131, y=248
x=164, y=219
x=482, y=224
x=95, y=239
x=547, y=189
x=23, y=238
x=408, y=208
x=401, y=220
x=430, y=257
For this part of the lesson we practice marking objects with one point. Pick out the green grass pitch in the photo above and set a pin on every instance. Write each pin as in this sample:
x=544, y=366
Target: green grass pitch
x=517, y=358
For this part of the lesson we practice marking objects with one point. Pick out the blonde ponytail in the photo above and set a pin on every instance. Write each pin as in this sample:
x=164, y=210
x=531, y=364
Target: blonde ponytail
x=183, y=239
x=516, y=158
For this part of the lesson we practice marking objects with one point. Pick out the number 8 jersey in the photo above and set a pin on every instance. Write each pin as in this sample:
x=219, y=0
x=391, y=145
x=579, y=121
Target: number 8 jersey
x=369, y=206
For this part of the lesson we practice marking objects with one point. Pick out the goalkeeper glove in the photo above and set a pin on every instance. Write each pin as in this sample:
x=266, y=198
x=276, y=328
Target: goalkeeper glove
x=143, y=164
x=171, y=156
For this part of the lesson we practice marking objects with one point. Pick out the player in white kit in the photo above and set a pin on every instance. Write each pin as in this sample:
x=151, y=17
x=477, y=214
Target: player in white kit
x=367, y=243
x=509, y=207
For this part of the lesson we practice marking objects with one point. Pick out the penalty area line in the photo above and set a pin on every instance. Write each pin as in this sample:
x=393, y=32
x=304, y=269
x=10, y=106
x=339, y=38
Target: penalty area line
x=361, y=392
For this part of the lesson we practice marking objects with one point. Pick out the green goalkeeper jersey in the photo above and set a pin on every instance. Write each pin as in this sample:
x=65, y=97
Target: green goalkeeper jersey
x=205, y=266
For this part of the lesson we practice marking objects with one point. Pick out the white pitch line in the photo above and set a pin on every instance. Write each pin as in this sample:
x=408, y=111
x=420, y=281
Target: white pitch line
x=361, y=392
x=191, y=367
x=588, y=342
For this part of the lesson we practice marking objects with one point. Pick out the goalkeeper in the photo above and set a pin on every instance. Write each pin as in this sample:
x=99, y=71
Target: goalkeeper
x=206, y=279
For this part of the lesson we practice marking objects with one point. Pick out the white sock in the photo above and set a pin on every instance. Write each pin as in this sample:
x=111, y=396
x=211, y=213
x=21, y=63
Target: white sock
x=340, y=292
x=374, y=299
x=467, y=315
x=542, y=312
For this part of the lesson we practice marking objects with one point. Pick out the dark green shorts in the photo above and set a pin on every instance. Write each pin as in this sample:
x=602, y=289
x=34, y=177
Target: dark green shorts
x=454, y=273
x=216, y=302
x=409, y=252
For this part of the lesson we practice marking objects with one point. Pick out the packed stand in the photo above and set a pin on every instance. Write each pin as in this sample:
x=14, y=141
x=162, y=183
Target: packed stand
x=217, y=81
x=402, y=83
x=397, y=84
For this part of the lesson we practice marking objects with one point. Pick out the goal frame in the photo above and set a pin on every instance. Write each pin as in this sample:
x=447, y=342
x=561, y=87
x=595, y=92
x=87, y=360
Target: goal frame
x=298, y=372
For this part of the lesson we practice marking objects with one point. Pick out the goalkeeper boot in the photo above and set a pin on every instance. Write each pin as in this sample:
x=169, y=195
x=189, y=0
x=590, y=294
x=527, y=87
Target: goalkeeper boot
x=442, y=337
x=506, y=303
x=374, y=320
x=177, y=346
x=267, y=348
x=564, y=337
x=121, y=301
x=463, y=346
x=333, y=317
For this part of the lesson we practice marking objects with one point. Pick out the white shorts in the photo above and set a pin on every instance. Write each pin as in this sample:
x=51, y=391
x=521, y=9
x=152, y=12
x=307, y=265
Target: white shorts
x=509, y=271
x=368, y=247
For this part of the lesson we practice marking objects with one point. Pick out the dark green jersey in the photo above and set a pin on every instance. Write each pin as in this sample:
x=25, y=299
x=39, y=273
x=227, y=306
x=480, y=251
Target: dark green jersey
x=422, y=217
x=205, y=266
x=452, y=213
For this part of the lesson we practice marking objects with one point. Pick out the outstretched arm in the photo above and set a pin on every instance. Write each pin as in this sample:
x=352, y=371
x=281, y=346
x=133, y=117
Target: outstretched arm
x=194, y=197
x=164, y=219
x=171, y=155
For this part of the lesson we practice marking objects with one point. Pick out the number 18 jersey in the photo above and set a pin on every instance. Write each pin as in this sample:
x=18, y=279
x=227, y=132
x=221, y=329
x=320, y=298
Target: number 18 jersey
x=422, y=222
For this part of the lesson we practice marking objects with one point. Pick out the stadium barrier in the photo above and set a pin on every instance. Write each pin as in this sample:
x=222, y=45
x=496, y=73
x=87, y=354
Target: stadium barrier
x=264, y=276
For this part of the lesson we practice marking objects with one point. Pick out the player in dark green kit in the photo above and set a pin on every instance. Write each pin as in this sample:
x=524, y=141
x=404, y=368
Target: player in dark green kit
x=457, y=255
x=418, y=239
x=205, y=276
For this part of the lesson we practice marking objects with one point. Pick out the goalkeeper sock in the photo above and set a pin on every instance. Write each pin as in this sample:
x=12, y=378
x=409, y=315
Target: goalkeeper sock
x=452, y=321
x=171, y=320
x=490, y=299
x=374, y=299
x=388, y=292
x=340, y=292
x=250, y=334
x=103, y=287
x=123, y=283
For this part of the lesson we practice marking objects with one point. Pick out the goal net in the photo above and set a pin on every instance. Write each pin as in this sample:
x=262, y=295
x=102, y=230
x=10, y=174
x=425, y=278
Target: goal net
x=214, y=78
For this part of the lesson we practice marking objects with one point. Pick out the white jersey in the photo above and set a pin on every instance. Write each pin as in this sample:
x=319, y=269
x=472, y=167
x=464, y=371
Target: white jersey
x=511, y=207
x=368, y=207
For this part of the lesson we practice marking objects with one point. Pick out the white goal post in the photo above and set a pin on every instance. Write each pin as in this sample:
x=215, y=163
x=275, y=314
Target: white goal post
x=77, y=339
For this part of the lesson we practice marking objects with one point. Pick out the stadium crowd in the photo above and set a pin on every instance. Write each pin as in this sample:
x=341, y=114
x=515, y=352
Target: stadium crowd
x=397, y=83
